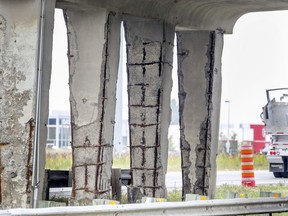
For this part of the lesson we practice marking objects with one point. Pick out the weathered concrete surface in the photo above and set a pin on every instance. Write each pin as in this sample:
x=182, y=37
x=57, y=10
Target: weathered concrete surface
x=190, y=14
x=93, y=40
x=93, y=73
x=19, y=32
x=199, y=74
x=149, y=67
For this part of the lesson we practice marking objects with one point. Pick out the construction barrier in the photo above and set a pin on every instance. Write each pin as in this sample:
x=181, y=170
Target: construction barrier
x=247, y=165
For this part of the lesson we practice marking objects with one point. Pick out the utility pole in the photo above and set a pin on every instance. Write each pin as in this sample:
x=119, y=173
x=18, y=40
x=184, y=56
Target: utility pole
x=228, y=128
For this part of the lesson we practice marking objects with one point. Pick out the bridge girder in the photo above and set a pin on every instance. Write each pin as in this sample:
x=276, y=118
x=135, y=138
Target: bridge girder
x=184, y=14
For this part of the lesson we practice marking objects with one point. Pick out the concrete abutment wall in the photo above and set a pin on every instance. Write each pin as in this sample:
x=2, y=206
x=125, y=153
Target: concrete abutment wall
x=23, y=71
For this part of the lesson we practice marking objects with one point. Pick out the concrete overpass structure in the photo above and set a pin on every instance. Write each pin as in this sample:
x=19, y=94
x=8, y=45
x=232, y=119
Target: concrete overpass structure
x=93, y=33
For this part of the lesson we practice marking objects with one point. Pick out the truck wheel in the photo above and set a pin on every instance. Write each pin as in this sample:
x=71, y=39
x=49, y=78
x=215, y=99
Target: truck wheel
x=285, y=174
x=277, y=174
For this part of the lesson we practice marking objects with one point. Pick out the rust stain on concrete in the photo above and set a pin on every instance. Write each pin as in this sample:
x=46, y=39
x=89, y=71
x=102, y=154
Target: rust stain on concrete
x=185, y=146
x=1, y=168
x=203, y=165
x=99, y=166
x=149, y=164
x=31, y=126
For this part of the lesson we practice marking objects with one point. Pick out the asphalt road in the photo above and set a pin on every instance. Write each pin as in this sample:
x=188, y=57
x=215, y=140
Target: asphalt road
x=174, y=179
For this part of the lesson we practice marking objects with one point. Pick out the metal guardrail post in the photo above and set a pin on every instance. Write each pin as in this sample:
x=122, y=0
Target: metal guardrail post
x=116, y=184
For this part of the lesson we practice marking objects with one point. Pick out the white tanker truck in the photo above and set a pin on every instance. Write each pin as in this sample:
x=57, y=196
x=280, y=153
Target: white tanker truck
x=275, y=118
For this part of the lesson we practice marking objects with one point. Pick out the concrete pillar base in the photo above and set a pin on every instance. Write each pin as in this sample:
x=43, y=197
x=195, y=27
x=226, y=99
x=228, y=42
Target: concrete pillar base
x=149, y=67
x=199, y=74
x=94, y=40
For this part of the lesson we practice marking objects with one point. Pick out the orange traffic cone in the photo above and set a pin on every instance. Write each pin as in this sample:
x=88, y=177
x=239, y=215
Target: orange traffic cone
x=247, y=165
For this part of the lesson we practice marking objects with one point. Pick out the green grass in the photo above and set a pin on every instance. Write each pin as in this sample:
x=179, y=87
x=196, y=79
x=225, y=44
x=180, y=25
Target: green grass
x=260, y=162
x=121, y=161
x=228, y=162
x=251, y=192
x=174, y=196
x=221, y=192
x=174, y=163
x=62, y=160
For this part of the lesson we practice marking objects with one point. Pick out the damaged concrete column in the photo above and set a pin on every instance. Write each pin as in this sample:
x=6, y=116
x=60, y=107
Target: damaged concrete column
x=93, y=43
x=199, y=74
x=20, y=42
x=149, y=68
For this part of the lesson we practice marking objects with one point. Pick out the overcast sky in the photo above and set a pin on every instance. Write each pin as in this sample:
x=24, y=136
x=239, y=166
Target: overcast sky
x=255, y=58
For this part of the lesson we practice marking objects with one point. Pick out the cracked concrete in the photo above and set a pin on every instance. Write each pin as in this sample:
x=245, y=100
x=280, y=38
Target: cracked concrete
x=149, y=66
x=199, y=107
x=19, y=32
x=93, y=43
x=17, y=77
x=93, y=57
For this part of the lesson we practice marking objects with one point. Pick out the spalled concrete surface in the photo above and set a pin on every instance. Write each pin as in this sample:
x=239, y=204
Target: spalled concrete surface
x=18, y=51
x=93, y=35
x=149, y=67
x=199, y=73
x=94, y=40
x=184, y=14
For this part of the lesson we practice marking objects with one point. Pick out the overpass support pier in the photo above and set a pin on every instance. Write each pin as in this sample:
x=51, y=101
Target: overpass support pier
x=93, y=52
x=199, y=75
x=149, y=67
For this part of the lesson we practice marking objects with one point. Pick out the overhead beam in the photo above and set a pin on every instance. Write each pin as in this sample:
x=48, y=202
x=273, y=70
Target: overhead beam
x=184, y=14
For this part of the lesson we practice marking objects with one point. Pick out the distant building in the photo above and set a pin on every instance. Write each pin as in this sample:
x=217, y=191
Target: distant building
x=59, y=133
x=252, y=133
x=59, y=130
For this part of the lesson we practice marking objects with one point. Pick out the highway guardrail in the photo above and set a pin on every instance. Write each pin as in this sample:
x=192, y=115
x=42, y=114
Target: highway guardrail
x=240, y=206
